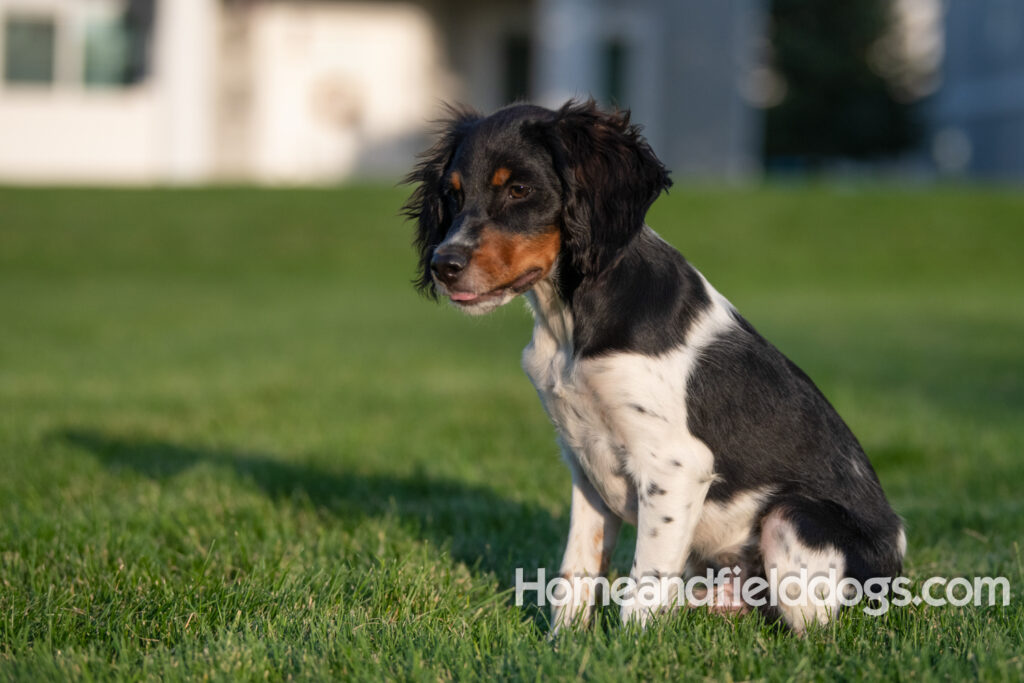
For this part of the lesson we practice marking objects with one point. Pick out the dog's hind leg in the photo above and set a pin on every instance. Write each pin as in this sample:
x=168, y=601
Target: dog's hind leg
x=836, y=553
x=806, y=579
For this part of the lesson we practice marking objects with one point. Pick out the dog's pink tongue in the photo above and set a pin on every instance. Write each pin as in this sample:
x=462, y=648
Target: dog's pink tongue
x=463, y=296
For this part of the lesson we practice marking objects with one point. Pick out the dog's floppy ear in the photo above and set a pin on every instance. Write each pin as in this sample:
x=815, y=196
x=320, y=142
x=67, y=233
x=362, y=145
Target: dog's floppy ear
x=610, y=177
x=428, y=205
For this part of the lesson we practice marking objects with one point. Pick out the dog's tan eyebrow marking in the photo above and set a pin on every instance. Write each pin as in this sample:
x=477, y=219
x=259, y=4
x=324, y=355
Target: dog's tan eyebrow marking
x=456, y=180
x=500, y=176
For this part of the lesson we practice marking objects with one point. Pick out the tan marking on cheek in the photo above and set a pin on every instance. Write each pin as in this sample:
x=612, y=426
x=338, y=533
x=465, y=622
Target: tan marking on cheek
x=503, y=257
x=500, y=176
x=456, y=181
x=541, y=251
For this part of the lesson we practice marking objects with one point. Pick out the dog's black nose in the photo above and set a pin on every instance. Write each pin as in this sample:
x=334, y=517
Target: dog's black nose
x=448, y=262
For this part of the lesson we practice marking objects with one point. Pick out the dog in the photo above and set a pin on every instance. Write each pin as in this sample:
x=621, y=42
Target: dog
x=672, y=412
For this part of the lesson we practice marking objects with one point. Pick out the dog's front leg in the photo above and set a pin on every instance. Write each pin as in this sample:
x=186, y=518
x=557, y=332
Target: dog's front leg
x=670, y=494
x=593, y=532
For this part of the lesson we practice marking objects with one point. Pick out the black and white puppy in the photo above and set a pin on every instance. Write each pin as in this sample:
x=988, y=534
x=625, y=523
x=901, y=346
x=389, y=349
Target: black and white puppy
x=672, y=412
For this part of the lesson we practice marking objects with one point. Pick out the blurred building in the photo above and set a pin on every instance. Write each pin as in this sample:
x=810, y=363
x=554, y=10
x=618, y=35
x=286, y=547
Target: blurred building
x=978, y=112
x=318, y=91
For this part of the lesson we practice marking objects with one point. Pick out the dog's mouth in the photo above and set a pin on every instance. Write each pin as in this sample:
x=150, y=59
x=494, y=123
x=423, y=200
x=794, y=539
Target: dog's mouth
x=517, y=286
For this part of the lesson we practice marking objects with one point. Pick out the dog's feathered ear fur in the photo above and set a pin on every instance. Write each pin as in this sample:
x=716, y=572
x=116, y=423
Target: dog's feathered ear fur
x=427, y=205
x=610, y=177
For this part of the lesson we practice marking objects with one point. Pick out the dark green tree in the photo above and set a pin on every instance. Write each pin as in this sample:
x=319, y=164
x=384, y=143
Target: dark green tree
x=835, y=102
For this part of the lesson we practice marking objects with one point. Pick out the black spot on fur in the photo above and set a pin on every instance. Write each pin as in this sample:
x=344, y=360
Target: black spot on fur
x=667, y=520
x=676, y=463
x=647, y=411
x=655, y=490
x=654, y=533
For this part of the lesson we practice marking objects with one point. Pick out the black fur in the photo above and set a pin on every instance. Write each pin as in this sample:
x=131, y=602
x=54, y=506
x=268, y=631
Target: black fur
x=652, y=281
x=610, y=177
x=428, y=205
x=767, y=425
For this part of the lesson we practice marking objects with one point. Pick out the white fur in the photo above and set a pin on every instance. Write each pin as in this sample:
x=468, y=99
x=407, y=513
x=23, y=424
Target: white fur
x=724, y=528
x=783, y=551
x=622, y=423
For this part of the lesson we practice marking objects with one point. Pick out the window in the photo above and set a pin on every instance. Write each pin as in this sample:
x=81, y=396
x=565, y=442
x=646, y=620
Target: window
x=30, y=47
x=87, y=43
x=106, y=52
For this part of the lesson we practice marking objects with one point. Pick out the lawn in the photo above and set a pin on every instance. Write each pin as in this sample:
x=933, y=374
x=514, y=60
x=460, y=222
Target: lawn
x=235, y=443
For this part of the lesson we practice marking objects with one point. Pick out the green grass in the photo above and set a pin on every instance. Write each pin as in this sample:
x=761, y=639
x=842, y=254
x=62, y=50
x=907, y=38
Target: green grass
x=235, y=443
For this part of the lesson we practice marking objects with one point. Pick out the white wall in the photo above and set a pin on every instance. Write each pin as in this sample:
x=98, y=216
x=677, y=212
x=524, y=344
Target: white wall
x=185, y=67
x=78, y=137
x=332, y=89
x=337, y=87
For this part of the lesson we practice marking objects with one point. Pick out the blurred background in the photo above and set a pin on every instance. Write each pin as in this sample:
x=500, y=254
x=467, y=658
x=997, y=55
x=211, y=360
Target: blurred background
x=292, y=92
x=236, y=443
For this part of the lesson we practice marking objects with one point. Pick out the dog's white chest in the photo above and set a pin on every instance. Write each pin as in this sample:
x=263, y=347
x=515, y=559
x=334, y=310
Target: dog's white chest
x=580, y=414
x=621, y=417
x=579, y=405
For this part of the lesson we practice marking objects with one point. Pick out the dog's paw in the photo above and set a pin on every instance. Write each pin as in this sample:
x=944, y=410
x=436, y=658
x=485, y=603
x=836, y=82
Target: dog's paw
x=573, y=605
x=651, y=596
x=635, y=613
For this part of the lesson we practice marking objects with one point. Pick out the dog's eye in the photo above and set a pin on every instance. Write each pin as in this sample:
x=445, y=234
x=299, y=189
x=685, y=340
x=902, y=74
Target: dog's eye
x=518, y=191
x=452, y=195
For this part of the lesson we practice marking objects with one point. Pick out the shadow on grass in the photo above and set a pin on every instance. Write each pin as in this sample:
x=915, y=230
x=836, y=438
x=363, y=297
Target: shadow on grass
x=482, y=529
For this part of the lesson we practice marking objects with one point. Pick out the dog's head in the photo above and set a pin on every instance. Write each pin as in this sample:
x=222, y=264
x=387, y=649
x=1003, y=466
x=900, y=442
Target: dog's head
x=502, y=201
